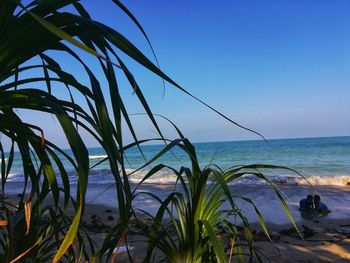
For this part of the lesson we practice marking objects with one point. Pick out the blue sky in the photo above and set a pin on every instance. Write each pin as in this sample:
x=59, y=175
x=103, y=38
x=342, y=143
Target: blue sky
x=279, y=67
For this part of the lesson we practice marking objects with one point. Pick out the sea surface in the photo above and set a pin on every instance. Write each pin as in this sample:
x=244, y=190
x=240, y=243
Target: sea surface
x=323, y=161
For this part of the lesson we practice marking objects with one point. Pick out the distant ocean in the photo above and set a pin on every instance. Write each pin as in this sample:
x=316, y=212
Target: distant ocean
x=324, y=161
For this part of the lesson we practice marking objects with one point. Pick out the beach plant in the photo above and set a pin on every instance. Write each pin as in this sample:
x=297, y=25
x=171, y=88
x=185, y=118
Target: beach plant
x=200, y=220
x=29, y=32
x=26, y=33
x=33, y=78
x=31, y=227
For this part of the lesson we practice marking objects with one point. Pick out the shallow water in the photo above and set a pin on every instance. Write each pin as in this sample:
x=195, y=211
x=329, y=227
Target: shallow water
x=323, y=161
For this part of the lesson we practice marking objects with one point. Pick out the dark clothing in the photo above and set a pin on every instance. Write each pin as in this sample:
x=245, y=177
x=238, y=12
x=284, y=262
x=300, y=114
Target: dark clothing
x=305, y=206
x=321, y=208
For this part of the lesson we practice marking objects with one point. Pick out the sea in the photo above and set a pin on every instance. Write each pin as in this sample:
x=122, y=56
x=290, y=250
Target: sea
x=322, y=161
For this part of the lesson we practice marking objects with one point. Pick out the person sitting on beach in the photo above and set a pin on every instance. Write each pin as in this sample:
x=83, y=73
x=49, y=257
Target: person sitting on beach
x=320, y=207
x=306, y=205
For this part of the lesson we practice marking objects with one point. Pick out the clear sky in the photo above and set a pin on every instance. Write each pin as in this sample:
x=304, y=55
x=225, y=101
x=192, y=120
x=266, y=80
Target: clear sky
x=279, y=67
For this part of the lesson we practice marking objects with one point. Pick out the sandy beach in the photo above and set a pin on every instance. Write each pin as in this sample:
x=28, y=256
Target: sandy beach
x=329, y=242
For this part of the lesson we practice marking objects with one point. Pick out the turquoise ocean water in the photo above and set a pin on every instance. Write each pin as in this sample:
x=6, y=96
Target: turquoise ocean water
x=324, y=161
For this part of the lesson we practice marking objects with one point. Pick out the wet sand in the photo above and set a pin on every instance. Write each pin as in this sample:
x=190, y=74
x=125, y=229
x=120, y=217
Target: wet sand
x=337, y=198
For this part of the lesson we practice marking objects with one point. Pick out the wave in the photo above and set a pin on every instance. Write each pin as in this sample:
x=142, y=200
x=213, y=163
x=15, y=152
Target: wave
x=105, y=176
x=334, y=180
x=167, y=176
x=320, y=180
x=97, y=157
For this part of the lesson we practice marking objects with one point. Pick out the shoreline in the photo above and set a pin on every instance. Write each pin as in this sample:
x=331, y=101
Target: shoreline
x=337, y=198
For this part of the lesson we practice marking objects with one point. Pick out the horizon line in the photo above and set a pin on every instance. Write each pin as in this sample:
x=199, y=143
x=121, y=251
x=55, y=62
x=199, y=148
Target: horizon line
x=245, y=140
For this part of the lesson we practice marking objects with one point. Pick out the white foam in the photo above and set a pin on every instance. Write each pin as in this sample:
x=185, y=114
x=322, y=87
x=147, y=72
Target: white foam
x=104, y=176
x=97, y=157
x=321, y=180
x=162, y=176
x=168, y=176
x=13, y=177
